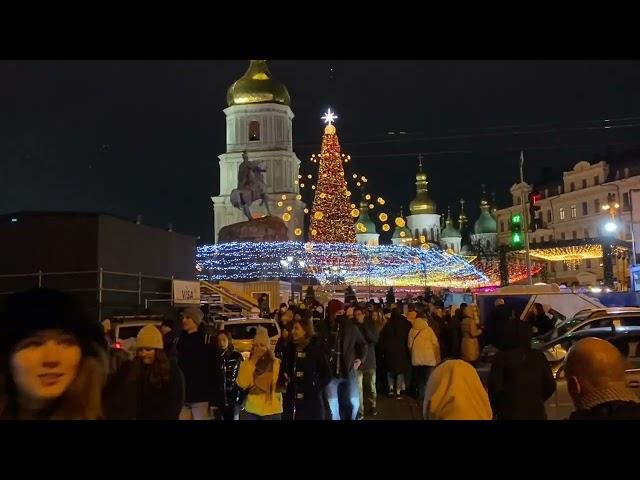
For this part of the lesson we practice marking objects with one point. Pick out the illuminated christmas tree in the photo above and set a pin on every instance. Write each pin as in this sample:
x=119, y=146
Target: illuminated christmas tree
x=331, y=215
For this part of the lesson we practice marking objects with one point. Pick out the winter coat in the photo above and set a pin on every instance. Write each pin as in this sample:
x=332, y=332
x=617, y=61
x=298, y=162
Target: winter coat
x=495, y=325
x=393, y=340
x=423, y=344
x=225, y=389
x=520, y=380
x=470, y=346
x=450, y=337
x=543, y=324
x=613, y=410
x=260, y=402
x=129, y=395
x=169, y=340
x=345, y=344
x=309, y=373
x=371, y=335
x=196, y=358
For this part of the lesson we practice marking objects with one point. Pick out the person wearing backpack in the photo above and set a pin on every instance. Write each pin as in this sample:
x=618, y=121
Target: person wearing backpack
x=425, y=353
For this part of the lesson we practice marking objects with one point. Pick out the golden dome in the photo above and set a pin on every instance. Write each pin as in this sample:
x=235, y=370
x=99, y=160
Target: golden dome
x=423, y=202
x=257, y=86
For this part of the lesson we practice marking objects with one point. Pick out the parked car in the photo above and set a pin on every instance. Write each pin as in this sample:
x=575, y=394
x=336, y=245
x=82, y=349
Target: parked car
x=243, y=330
x=612, y=318
x=626, y=339
x=123, y=334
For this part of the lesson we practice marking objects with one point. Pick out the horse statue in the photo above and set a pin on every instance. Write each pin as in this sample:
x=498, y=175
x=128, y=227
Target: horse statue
x=251, y=186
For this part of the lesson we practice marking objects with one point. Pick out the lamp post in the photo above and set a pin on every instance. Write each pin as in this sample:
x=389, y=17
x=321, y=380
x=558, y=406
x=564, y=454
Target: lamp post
x=611, y=227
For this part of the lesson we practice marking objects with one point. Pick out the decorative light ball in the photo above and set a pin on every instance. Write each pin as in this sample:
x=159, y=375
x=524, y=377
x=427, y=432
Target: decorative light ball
x=298, y=231
x=309, y=176
x=400, y=222
x=323, y=195
x=286, y=216
x=371, y=205
x=367, y=197
x=299, y=176
x=423, y=239
x=296, y=182
x=313, y=187
x=355, y=212
x=355, y=175
x=347, y=193
x=314, y=232
x=361, y=228
x=353, y=205
x=318, y=215
x=330, y=130
x=302, y=185
x=348, y=157
x=386, y=227
x=284, y=197
x=381, y=200
x=298, y=197
x=280, y=204
x=403, y=234
x=289, y=208
x=306, y=210
x=383, y=217
x=358, y=184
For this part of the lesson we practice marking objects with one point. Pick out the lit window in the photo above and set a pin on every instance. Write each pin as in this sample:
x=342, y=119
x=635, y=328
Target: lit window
x=574, y=211
x=254, y=131
x=561, y=212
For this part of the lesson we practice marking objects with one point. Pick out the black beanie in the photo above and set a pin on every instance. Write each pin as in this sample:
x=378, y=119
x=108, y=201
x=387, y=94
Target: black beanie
x=25, y=313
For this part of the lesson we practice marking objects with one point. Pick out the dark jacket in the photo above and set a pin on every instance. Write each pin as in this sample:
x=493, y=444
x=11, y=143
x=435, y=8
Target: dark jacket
x=371, y=335
x=345, y=344
x=520, y=380
x=543, y=324
x=169, y=340
x=495, y=325
x=393, y=340
x=129, y=395
x=196, y=358
x=309, y=373
x=225, y=389
x=450, y=337
x=613, y=410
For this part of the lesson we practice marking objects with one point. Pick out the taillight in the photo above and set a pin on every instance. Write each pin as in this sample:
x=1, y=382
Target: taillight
x=117, y=345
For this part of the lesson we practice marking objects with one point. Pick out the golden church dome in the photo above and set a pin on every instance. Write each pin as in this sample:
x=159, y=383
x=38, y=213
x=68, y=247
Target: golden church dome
x=257, y=86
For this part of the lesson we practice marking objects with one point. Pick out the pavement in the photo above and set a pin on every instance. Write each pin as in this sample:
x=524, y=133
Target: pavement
x=404, y=408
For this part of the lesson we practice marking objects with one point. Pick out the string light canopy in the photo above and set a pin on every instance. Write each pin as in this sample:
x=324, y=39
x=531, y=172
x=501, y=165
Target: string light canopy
x=357, y=264
x=573, y=252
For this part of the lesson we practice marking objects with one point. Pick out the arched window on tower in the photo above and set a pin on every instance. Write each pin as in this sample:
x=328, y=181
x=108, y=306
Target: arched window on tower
x=488, y=243
x=254, y=131
x=432, y=235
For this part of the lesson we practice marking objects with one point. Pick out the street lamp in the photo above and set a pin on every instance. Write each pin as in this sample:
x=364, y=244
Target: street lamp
x=610, y=227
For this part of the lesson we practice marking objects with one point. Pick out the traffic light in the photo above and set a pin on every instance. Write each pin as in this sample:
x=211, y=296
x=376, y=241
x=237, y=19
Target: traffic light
x=517, y=236
x=534, y=221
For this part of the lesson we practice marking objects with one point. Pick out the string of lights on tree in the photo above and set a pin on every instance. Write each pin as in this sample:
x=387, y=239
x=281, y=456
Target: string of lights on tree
x=349, y=263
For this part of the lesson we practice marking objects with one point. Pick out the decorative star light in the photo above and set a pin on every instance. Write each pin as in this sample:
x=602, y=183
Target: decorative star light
x=329, y=117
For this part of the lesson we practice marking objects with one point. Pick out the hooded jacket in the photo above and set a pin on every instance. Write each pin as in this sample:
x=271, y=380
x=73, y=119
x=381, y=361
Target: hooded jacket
x=261, y=402
x=455, y=392
x=423, y=344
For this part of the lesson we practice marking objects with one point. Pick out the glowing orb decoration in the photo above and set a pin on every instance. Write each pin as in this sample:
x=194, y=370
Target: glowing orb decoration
x=302, y=185
x=383, y=217
x=286, y=216
x=381, y=201
x=347, y=193
x=371, y=205
x=318, y=215
x=361, y=228
x=313, y=187
x=367, y=197
x=403, y=234
x=355, y=213
x=386, y=227
x=355, y=175
x=299, y=176
x=280, y=204
x=306, y=210
x=309, y=176
x=323, y=195
x=284, y=197
x=298, y=197
x=298, y=232
x=400, y=222
x=314, y=232
x=289, y=208
x=358, y=184
x=353, y=205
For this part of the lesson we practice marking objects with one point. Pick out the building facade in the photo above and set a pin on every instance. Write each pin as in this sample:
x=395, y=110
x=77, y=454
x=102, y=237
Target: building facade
x=572, y=209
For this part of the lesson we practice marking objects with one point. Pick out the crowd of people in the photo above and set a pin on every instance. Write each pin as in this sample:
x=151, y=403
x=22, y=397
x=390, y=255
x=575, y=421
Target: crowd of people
x=55, y=363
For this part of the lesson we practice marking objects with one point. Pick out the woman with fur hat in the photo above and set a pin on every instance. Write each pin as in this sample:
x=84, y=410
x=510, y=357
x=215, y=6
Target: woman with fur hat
x=53, y=361
x=226, y=394
x=151, y=387
x=259, y=377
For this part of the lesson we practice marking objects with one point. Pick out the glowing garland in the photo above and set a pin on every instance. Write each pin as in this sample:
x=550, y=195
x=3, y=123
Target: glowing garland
x=349, y=263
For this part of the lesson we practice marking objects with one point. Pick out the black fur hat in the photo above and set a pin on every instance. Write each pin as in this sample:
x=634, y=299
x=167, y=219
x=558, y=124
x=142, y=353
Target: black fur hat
x=24, y=313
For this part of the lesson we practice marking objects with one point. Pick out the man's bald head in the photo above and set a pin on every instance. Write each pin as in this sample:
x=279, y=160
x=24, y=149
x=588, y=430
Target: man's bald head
x=499, y=301
x=594, y=364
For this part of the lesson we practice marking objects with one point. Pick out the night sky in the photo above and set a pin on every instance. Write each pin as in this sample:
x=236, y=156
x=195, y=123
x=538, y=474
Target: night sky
x=142, y=137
